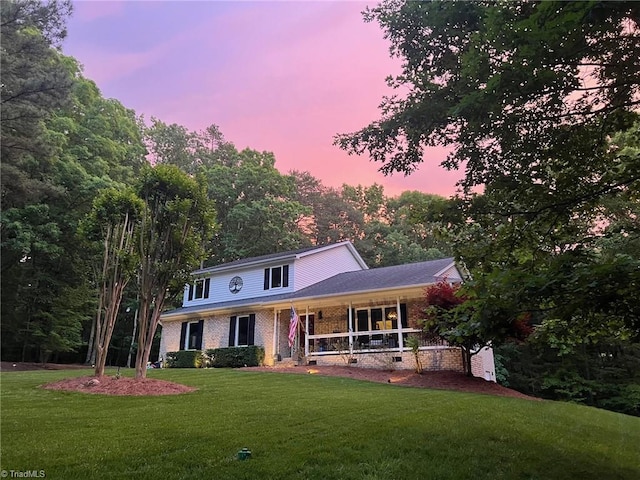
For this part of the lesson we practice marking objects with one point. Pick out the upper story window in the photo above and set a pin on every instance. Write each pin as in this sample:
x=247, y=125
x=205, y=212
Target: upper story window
x=199, y=289
x=276, y=277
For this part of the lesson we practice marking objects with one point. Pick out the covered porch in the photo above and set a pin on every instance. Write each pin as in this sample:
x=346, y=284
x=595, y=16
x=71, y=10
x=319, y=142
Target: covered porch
x=372, y=333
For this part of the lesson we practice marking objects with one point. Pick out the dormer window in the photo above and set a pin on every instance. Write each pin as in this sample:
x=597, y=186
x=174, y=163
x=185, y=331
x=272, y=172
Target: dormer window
x=199, y=289
x=276, y=277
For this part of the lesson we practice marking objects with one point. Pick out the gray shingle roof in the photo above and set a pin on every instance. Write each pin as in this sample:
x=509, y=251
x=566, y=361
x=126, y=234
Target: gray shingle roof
x=230, y=304
x=412, y=274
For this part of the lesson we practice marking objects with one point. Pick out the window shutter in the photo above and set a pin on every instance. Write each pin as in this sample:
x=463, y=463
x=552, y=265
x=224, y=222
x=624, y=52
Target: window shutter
x=207, y=284
x=403, y=315
x=190, y=292
x=183, y=335
x=266, y=278
x=251, y=329
x=285, y=275
x=232, y=332
x=199, y=335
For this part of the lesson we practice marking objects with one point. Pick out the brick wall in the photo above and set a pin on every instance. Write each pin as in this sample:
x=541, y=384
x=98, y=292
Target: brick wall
x=335, y=319
x=414, y=313
x=483, y=365
x=170, y=340
x=216, y=334
x=432, y=359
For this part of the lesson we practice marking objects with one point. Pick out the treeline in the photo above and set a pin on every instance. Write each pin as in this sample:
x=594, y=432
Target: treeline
x=63, y=144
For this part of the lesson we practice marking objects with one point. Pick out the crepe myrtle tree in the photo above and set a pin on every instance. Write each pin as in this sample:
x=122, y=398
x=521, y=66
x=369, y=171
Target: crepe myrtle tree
x=112, y=221
x=177, y=221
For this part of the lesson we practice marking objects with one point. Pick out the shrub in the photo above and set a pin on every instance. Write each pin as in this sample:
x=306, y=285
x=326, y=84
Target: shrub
x=184, y=359
x=235, y=357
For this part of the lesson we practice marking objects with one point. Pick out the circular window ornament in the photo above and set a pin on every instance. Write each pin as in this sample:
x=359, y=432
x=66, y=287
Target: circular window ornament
x=235, y=285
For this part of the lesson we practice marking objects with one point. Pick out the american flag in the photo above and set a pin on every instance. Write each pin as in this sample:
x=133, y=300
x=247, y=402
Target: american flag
x=293, y=326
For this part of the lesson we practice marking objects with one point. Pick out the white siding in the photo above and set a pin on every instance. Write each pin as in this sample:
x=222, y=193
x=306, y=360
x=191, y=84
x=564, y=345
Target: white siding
x=452, y=274
x=321, y=265
x=252, y=286
x=309, y=269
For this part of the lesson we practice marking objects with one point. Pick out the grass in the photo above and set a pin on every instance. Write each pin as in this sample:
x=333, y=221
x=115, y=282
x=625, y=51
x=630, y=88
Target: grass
x=305, y=427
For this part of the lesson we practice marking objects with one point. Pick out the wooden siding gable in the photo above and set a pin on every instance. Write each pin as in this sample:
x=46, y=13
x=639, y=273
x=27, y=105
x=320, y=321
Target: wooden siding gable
x=325, y=264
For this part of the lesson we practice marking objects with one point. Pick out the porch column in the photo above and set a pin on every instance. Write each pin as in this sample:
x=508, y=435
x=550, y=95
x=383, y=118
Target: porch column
x=350, y=327
x=306, y=333
x=398, y=312
x=275, y=335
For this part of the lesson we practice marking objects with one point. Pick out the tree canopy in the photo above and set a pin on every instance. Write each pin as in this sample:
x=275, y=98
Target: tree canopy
x=538, y=102
x=176, y=220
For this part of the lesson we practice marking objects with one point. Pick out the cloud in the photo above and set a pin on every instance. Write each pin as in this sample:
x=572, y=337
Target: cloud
x=89, y=10
x=276, y=76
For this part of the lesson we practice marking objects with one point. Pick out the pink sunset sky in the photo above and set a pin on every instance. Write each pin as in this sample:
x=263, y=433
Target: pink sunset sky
x=284, y=77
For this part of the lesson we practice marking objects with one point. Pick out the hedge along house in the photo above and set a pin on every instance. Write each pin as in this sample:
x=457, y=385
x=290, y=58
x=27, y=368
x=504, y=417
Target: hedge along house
x=347, y=312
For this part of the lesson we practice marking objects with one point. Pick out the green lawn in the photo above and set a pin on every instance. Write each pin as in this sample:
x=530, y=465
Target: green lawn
x=305, y=427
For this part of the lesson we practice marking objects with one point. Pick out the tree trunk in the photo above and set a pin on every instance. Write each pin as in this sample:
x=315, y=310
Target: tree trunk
x=147, y=330
x=91, y=352
x=133, y=336
x=142, y=359
x=466, y=361
x=101, y=357
x=118, y=239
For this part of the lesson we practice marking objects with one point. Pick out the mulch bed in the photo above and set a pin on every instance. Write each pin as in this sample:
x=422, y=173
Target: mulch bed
x=105, y=385
x=119, y=386
x=444, y=380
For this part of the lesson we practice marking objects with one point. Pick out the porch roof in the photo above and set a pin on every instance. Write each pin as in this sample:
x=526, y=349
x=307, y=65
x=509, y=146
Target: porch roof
x=208, y=308
x=407, y=275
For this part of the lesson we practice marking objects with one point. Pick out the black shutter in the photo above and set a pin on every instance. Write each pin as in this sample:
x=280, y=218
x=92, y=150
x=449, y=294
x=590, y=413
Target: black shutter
x=232, y=332
x=183, y=334
x=190, y=292
x=403, y=315
x=251, y=329
x=207, y=284
x=199, y=335
x=266, y=278
x=285, y=275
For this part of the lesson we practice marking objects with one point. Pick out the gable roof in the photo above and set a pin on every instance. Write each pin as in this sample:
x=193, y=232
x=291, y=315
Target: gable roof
x=281, y=257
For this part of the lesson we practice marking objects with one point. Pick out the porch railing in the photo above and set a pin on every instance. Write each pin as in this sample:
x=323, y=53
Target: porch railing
x=369, y=341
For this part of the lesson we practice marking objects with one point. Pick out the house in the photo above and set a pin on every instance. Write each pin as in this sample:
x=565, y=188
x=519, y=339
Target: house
x=347, y=312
